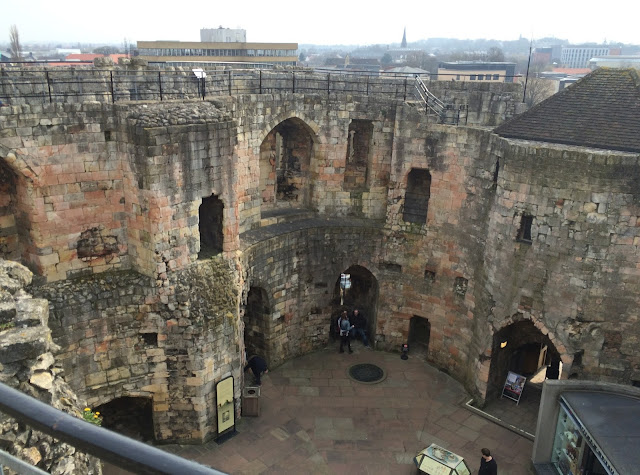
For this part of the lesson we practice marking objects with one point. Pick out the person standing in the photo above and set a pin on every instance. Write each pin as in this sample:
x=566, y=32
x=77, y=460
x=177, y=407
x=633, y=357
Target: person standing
x=258, y=366
x=359, y=322
x=344, y=325
x=488, y=465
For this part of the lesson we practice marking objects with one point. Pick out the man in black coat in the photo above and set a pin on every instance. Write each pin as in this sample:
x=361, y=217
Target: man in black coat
x=359, y=322
x=258, y=366
x=488, y=465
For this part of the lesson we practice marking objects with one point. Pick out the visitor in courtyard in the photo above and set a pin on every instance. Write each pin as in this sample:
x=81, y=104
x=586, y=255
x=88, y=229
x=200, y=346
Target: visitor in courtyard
x=344, y=325
x=359, y=322
x=488, y=465
x=553, y=370
x=258, y=366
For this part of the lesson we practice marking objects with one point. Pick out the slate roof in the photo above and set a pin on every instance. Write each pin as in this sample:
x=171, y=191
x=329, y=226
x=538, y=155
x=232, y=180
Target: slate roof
x=601, y=110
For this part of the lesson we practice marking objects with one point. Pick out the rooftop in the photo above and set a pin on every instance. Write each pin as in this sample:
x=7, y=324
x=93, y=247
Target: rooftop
x=614, y=421
x=601, y=110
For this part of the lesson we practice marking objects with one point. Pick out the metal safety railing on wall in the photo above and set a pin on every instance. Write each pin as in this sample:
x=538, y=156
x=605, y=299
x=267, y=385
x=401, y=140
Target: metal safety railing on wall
x=108, y=446
x=446, y=113
x=41, y=86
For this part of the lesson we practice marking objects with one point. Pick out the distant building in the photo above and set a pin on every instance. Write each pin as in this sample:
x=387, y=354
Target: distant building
x=178, y=53
x=541, y=56
x=409, y=71
x=547, y=55
x=84, y=57
x=476, y=71
x=223, y=35
x=66, y=51
x=626, y=61
x=578, y=56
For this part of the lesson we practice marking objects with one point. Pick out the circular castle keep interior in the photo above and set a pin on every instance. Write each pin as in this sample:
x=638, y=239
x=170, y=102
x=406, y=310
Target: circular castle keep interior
x=169, y=237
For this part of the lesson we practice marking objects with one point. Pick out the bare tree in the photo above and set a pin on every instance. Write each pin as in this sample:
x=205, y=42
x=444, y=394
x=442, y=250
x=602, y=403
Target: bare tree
x=495, y=54
x=14, y=41
x=538, y=88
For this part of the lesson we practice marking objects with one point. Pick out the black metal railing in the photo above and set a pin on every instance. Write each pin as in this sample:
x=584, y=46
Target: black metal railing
x=32, y=85
x=446, y=113
x=109, y=446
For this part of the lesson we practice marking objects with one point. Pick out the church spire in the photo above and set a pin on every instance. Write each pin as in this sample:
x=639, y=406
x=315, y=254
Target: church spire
x=404, y=38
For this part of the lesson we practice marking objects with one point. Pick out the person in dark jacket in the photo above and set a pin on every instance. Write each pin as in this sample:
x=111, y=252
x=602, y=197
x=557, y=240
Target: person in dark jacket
x=344, y=326
x=488, y=465
x=359, y=322
x=258, y=366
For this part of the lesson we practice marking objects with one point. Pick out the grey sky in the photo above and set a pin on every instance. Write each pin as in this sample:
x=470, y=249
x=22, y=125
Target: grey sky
x=321, y=22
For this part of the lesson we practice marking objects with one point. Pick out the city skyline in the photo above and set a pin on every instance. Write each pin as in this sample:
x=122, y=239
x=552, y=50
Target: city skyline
x=331, y=23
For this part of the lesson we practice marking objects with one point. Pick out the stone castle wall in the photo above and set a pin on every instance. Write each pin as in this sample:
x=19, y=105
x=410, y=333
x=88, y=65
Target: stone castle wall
x=489, y=104
x=27, y=363
x=298, y=270
x=137, y=312
x=119, y=338
x=578, y=281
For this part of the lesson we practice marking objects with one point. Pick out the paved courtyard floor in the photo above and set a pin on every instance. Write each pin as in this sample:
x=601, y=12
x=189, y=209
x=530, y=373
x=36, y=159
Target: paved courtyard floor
x=316, y=420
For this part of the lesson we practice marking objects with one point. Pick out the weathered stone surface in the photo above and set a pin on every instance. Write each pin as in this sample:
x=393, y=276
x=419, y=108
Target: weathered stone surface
x=44, y=362
x=136, y=308
x=32, y=312
x=42, y=379
x=20, y=344
x=28, y=364
x=15, y=271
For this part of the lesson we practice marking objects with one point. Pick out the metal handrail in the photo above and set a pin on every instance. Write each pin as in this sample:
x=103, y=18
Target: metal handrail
x=436, y=105
x=109, y=446
x=17, y=465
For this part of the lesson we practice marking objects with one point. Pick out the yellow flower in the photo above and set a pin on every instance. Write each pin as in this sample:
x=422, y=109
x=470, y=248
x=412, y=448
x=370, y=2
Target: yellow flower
x=97, y=413
x=95, y=416
x=86, y=409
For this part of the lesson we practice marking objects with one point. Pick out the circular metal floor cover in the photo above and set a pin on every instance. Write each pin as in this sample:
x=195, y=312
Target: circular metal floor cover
x=367, y=373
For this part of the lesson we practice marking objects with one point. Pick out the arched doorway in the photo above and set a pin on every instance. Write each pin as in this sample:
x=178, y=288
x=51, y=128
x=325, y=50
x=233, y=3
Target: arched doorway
x=419, y=335
x=257, y=321
x=285, y=165
x=130, y=416
x=521, y=348
x=363, y=295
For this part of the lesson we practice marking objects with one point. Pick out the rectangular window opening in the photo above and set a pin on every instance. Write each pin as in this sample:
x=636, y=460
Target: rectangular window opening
x=524, y=233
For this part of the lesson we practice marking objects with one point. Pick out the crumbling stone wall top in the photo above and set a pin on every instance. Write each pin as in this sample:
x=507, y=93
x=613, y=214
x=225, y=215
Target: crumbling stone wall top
x=27, y=363
x=182, y=113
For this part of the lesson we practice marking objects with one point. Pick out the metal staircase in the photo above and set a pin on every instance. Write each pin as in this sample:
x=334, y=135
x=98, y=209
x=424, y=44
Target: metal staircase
x=446, y=113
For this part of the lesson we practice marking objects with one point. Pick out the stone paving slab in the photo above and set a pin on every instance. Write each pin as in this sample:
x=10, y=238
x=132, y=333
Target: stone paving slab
x=371, y=429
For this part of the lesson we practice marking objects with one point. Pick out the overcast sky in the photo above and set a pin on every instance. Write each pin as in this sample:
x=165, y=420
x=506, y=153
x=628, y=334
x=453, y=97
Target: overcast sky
x=322, y=22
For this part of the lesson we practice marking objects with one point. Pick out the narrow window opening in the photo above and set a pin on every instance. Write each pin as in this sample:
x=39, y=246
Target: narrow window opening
x=524, y=233
x=416, y=198
x=495, y=173
x=460, y=286
x=211, y=234
x=150, y=339
x=577, y=358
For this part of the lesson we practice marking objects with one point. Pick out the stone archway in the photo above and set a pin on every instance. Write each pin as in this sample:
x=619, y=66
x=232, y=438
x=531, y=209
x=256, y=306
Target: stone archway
x=519, y=347
x=362, y=295
x=285, y=165
x=130, y=416
x=257, y=323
